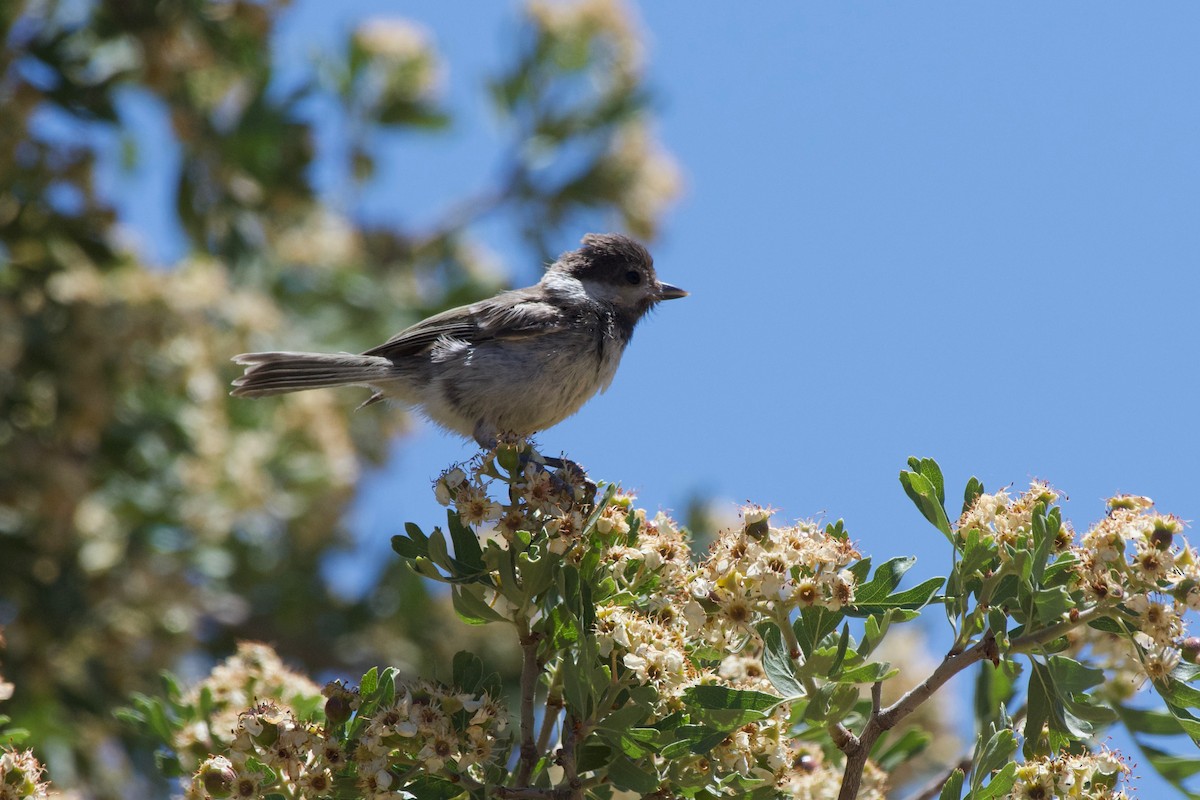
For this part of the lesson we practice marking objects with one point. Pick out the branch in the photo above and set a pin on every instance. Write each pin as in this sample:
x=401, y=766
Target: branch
x=886, y=719
x=554, y=705
x=530, y=670
x=951, y=665
x=572, y=786
x=1046, y=635
x=844, y=739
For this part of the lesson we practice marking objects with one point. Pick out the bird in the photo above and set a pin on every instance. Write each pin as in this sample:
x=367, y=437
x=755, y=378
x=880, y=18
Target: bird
x=514, y=364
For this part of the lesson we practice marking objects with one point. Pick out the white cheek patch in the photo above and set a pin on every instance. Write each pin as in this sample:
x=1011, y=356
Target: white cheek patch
x=565, y=286
x=605, y=292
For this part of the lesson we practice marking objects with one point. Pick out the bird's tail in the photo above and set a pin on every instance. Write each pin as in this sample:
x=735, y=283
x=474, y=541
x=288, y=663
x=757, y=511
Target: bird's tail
x=277, y=373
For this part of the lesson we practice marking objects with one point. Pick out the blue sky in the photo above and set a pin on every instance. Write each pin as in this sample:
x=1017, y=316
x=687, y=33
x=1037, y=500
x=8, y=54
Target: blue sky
x=965, y=231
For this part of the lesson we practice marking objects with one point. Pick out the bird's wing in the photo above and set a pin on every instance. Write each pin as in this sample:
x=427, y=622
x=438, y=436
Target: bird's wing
x=511, y=315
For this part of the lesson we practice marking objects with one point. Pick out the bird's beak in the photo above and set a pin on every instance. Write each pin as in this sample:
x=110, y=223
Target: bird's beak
x=668, y=292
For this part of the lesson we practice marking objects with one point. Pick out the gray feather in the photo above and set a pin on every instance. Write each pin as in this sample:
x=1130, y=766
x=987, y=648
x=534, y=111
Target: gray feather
x=277, y=373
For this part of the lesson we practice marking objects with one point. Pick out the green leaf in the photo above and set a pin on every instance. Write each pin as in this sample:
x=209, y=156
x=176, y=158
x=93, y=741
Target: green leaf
x=407, y=548
x=841, y=701
x=729, y=708
x=698, y=739
x=925, y=496
x=594, y=754
x=151, y=713
x=843, y=643
x=1107, y=624
x=1058, y=700
x=562, y=628
x=932, y=473
x=414, y=545
x=868, y=673
x=952, y=788
x=1151, y=721
x=470, y=606
x=576, y=691
x=778, y=663
x=971, y=493
x=837, y=530
x=467, y=553
x=369, y=683
x=912, y=599
x=620, y=729
x=632, y=777
x=387, y=686
x=438, y=553
x=723, y=698
x=993, y=755
x=993, y=689
x=168, y=764
x=884, y=582
x=910, y=744
x=537, y=571
x=813, y=625
x=1045, y=529
x=467, y=671
x=1000, y=784
x=1051, y=604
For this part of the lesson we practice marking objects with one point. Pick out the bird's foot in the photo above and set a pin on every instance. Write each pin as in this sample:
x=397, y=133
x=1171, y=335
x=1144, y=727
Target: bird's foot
x=568, y=477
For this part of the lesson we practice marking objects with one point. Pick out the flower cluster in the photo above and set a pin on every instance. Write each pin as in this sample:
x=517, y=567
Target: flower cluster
x=1089, y=776
x=431, y=727
x=1008, y=521
x=762, y=570
x=1135, y=551
x=253, y=674
x=655, y=652
x=539, y=498
x=657, y=552
x=272, y=749
x=20, y=772
x=811, y=777
x=21, y=776
x=1132, y=563
x=1135, y=559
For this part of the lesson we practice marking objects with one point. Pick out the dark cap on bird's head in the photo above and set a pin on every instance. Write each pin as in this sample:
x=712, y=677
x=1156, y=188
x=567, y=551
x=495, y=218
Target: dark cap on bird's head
x=616, y=259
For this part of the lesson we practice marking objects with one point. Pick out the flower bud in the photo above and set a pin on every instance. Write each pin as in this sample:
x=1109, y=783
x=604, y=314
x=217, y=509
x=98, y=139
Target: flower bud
x=218, y=777
x=1190, y=649
x=1161, y=537
x=337, y=708
x=757, y=521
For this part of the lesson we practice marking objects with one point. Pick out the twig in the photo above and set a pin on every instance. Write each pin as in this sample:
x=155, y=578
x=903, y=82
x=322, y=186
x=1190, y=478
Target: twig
x=572, y=785
x=530, y=670
x=844, y=739
x=887, y=718
x=882, y=720
x=1046, y=635
x=554, y=705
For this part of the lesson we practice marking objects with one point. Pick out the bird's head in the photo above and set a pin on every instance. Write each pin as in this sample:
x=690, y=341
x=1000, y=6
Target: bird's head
x=616, y=270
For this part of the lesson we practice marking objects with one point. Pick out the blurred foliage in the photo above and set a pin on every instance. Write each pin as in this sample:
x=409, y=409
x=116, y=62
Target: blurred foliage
x=147, y=520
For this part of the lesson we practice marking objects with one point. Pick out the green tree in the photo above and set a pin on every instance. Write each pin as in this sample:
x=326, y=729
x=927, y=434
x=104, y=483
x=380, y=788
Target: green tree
x=144, y=515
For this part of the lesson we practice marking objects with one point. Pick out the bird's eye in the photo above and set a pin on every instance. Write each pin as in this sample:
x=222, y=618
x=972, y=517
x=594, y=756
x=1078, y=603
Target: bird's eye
x=633, y=277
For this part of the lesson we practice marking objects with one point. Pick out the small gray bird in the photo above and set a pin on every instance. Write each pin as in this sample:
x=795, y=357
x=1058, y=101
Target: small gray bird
x=517, y=363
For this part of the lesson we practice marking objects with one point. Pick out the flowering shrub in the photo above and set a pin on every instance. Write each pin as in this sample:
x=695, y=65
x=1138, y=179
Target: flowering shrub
x=738, y=674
